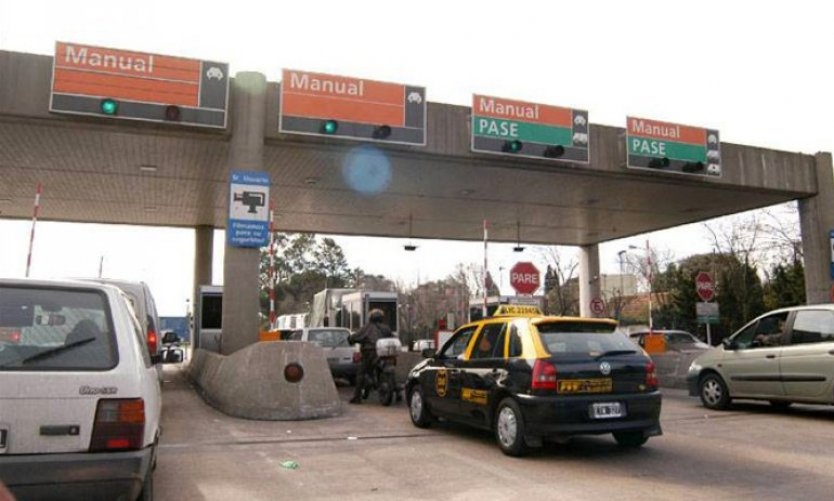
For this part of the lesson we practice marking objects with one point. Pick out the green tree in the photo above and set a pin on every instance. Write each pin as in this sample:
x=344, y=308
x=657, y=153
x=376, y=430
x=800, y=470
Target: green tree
x=303, y=265
x=785, y=285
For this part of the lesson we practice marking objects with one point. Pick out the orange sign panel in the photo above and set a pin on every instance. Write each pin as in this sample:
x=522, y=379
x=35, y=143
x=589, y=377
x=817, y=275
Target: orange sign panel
x=119, y=74
x=317, y=95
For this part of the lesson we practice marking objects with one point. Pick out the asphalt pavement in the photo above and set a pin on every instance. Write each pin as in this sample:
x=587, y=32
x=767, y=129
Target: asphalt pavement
x=374, y=452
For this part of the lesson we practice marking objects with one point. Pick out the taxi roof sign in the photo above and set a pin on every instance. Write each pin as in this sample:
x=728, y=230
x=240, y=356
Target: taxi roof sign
x=517, y=310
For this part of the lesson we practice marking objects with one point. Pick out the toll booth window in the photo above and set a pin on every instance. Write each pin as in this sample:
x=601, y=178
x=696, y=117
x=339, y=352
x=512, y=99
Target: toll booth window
x=490, y=343
x=456, y=347
x=212, y=314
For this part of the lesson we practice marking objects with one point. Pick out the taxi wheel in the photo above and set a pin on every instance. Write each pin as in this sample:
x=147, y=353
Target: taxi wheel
x=713, y=392
x=420, y=415
x=509, y=428
x=630, y=439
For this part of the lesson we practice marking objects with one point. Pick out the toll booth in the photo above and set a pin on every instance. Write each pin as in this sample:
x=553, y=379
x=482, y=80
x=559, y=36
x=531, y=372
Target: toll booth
x=208, y=318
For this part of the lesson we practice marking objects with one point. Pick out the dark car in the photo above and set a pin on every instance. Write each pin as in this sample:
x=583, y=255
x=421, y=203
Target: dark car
x=529, y=377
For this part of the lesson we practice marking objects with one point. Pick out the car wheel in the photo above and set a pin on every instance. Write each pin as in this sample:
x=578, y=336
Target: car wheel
x=420, y=414
x=780, y=404
x=713, y=392
x=509, y=428
x=630, y=439
x=147, y=488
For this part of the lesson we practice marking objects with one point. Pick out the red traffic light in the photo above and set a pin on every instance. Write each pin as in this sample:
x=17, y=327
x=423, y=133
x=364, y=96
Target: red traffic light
x=172, y=113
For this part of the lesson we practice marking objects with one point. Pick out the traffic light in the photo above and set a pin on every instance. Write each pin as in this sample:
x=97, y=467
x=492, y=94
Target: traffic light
x=513, y=146
x=659, y=163
x=109, y=106
x=693, y=167
x=329, y=127
x=382, y=132
x=172, y=113
x=554, y=151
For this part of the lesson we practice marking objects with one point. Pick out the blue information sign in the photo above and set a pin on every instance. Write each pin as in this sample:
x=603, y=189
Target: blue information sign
x=248, y=209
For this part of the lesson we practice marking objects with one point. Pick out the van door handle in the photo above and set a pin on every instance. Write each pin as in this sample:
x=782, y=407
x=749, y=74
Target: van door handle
x=770, y=356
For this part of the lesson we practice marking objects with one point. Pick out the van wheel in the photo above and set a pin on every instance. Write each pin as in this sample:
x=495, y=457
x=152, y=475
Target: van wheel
x=713, y=392
x=509, y=428
x=147, y=488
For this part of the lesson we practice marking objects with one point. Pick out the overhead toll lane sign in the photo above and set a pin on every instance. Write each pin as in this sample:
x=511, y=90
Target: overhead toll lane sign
x=352, y=108
x=509, y=127
x=88, y=80
x=669, y=147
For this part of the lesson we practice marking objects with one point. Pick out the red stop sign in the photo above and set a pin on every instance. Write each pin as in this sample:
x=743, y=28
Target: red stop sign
x=524, y=277
x=704, y=286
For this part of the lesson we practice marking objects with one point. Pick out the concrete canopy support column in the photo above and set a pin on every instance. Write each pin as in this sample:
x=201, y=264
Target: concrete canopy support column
x=816, y=220
x=589, y=283
x=203, y=257
x=240, y=265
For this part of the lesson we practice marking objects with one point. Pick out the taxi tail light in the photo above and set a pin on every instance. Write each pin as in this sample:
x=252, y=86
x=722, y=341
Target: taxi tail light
x=651, y=375
x=544, y=375
x=119, y=425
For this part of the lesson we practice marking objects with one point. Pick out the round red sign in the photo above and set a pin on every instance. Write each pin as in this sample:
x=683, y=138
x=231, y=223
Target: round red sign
x=597, y=306
x=524, y=278
x=704, y=286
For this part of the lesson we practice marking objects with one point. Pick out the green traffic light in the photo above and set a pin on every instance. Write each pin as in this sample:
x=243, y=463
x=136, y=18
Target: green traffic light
x=330, y=127
x=109, y=106
x=513, y=146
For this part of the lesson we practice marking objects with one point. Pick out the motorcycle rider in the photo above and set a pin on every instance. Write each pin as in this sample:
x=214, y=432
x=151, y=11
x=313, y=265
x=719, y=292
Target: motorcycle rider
x=367, y=337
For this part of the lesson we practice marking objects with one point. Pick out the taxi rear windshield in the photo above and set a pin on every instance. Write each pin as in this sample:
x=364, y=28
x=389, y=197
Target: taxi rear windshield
x=582, y=338
x=55, y=329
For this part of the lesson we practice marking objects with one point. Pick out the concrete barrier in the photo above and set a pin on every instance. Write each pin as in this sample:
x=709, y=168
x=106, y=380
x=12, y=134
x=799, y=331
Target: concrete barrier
x=250, y=383
x=672, y=367
x=405, y=361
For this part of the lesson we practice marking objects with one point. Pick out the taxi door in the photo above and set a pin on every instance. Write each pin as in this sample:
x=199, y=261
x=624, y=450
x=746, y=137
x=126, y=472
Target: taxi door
x=484, y=368
x=441, y=379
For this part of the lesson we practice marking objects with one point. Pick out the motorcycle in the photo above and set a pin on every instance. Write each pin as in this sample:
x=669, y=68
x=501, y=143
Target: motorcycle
x=383, y=378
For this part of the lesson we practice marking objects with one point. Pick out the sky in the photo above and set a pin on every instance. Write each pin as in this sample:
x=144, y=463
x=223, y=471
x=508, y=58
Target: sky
x=759, y=73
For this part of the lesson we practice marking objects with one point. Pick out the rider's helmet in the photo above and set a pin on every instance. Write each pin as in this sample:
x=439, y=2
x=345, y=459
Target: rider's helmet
x=376, y=315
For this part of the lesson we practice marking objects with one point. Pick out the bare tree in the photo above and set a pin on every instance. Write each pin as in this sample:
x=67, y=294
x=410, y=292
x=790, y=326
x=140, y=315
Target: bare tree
x=561, y=286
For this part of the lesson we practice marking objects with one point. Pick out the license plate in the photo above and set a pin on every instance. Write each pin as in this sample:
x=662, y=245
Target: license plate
x=607, y=410
x=596, y=385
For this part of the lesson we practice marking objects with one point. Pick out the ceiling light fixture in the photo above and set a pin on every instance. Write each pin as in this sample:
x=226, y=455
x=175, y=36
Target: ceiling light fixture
x=518, y=247
x=409, y=246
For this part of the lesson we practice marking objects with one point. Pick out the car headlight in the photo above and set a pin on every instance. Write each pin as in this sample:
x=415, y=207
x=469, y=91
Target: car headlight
x=694, y=367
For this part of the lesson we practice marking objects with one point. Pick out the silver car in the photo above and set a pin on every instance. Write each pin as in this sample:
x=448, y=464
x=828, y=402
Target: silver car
x=783, y=356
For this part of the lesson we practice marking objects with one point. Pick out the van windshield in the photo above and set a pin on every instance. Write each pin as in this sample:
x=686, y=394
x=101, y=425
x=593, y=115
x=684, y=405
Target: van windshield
x=45, y=328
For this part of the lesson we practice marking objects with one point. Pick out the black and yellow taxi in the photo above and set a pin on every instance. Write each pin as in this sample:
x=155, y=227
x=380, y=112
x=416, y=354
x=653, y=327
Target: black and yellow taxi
x=530, y=377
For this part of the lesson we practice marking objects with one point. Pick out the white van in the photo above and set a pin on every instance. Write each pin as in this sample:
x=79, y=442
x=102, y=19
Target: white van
x=80, y=400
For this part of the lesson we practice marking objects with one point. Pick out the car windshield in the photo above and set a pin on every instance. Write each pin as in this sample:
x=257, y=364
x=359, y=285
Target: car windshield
x=55, y=329
x=572, y=339
x=329, y=338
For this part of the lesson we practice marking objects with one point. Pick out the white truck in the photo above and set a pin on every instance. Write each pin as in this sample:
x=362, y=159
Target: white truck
x=349, y=308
